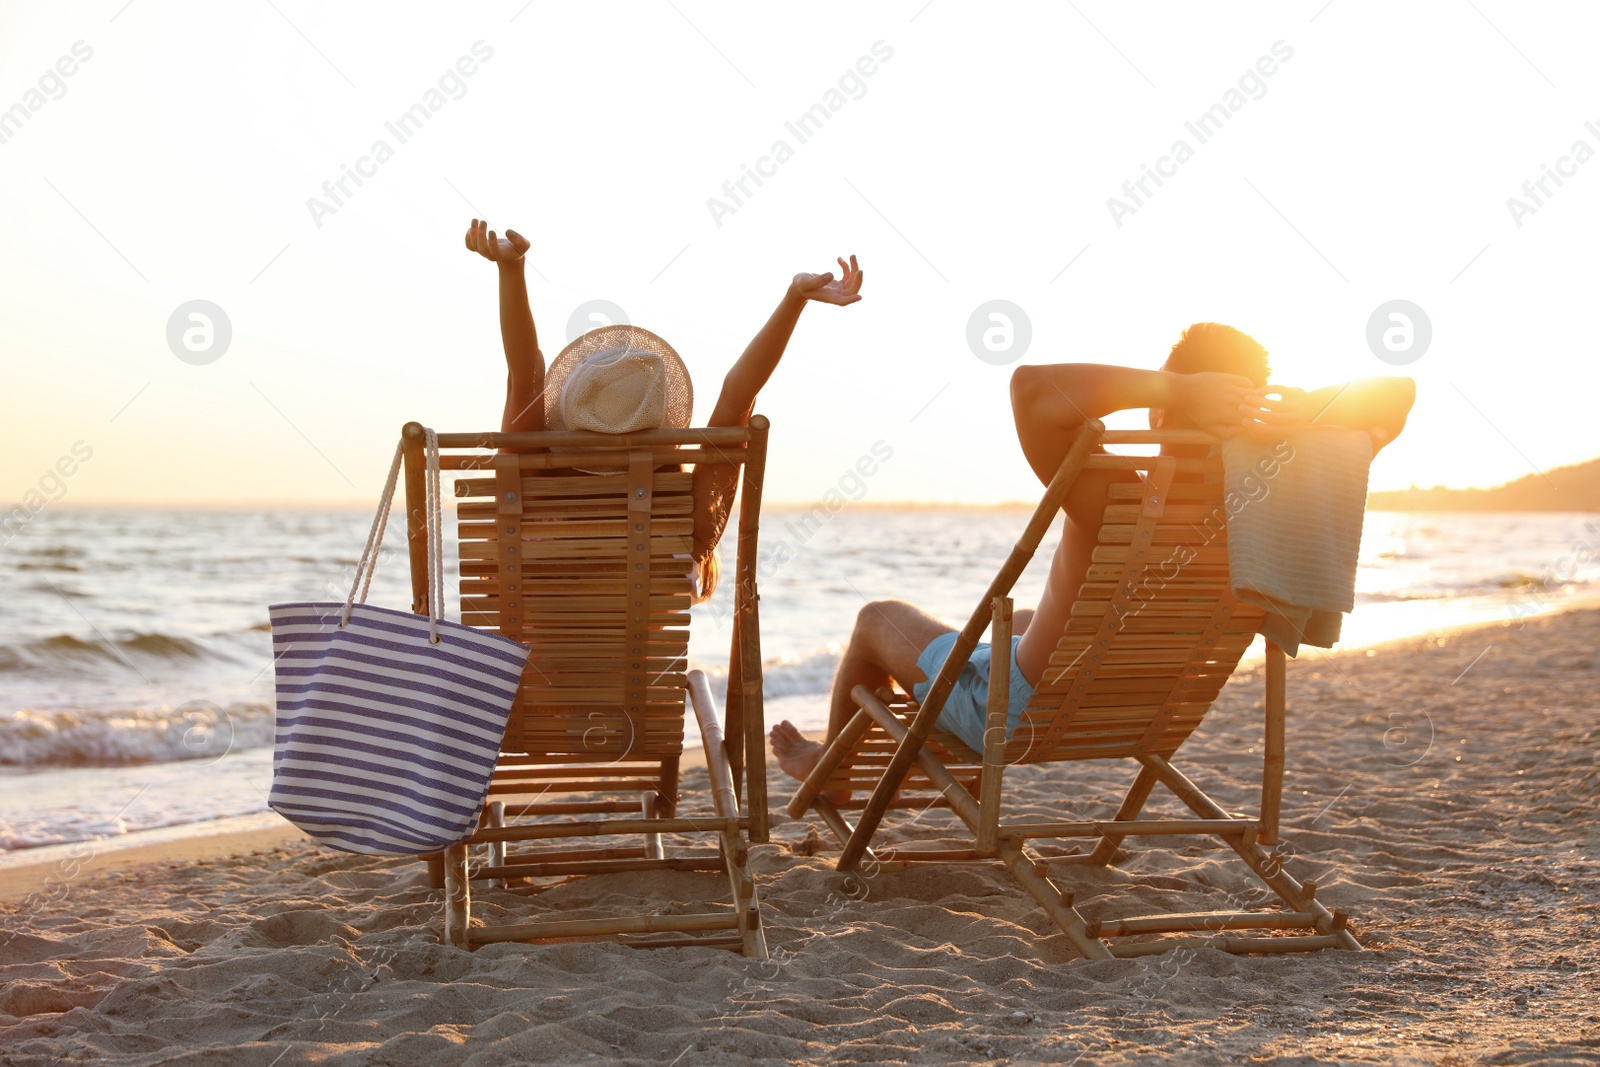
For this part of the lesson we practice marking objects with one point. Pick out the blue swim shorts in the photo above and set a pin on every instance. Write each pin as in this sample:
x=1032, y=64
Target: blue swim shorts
x=966, y=711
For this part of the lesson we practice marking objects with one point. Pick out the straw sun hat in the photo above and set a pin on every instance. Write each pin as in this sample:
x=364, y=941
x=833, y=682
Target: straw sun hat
x=617, y=379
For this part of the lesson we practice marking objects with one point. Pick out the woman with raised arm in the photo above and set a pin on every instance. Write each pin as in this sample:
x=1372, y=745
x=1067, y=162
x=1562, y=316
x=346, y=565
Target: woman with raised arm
x=646, y=373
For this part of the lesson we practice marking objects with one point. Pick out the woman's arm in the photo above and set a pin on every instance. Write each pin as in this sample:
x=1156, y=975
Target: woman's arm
x=716, y=483
x=524, y=408
x=737, y=401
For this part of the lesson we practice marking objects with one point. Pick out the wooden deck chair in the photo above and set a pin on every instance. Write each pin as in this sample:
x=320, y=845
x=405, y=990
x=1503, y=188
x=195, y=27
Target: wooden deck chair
x=578, y=545
x=1149, y=644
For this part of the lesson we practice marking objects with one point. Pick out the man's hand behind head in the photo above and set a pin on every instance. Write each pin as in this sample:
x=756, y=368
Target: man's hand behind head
x=1376, y=405
x=1275, y=411
x=1215, y=403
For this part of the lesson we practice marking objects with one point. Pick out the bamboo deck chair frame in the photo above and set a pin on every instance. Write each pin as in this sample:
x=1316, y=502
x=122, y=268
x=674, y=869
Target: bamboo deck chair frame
x=551, y=537
x=1135, y=698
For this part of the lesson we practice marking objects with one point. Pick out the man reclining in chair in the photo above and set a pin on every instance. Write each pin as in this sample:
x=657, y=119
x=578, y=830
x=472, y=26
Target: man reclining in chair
x=1215, y=379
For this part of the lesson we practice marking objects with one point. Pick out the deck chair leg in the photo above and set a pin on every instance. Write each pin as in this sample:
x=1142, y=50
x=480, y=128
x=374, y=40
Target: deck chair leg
x=735, y=851
x=434, y=875
x=496, y=817
x=994, y=727
x=1266, y=867
x=1132, y=804
x=746, y=904
x=652, y=842
x=842, y=829
x=667, y=795
x=1272, y=759
x=833, y=818
x=736, y=860
x=458, y=897
x=1057, y=904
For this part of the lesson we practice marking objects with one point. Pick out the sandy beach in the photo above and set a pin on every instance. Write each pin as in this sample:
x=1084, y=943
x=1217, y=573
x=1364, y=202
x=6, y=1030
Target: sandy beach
x=1440, y=790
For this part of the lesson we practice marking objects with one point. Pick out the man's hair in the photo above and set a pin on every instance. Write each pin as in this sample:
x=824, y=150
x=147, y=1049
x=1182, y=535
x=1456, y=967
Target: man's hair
x=1211, y=346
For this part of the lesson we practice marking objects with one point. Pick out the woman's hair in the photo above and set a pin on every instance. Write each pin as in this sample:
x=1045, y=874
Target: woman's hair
x=722, y=479
x=706, y=573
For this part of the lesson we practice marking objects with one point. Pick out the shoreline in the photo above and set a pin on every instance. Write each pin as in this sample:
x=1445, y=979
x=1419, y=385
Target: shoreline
x=38, y=869
x=27, y=871
x=42, y=876
x=1440, y=790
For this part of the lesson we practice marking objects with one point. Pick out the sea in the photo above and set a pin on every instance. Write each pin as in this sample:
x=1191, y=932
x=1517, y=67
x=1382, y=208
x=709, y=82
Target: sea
x=136, y=685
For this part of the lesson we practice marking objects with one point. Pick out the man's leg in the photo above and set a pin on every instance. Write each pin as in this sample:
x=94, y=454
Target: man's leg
x=889, y=635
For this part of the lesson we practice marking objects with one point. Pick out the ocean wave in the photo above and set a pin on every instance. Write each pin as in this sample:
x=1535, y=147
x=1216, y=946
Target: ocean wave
x=58, y=552
x=1521, y=581
x=201, y=730
x=789, y=676
x=1400, y=598
x=1512, y=586
x=68, y=652
x=197, y=730
x=55, y=590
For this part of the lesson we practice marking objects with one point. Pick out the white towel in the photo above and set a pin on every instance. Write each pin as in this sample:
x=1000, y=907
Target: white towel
x=1294, y=528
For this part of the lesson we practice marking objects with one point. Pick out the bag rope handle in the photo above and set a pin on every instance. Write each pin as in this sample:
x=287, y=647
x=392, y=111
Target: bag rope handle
x=435, y=539
x=380, y=524
x=368, y=564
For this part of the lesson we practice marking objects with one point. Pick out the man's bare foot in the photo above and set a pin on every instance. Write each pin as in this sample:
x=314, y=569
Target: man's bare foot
x=797, y=756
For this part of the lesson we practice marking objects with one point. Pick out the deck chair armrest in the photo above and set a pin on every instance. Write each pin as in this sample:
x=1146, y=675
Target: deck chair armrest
x=723, y=798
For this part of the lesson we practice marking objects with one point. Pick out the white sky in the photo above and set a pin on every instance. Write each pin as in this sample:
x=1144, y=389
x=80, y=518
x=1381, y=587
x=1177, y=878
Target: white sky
x=977, y=165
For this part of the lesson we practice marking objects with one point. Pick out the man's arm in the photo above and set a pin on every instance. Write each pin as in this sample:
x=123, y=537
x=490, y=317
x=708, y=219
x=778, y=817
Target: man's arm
x=524, y=409
x=1378, y=405
x=1051, y=402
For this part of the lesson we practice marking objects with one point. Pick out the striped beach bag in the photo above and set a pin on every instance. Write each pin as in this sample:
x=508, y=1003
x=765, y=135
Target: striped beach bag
x=388, y=723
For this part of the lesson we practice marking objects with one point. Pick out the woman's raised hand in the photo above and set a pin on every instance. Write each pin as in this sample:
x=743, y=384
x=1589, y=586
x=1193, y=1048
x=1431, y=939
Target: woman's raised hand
x=482, y=240
x=843, y=290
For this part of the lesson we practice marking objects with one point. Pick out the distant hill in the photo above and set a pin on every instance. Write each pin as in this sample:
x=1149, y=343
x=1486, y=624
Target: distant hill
x=1575, y=488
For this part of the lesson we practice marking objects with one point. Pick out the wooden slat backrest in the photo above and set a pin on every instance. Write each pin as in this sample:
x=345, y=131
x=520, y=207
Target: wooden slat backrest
x=592, y=570
x=1155, y=631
